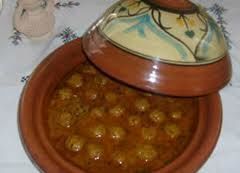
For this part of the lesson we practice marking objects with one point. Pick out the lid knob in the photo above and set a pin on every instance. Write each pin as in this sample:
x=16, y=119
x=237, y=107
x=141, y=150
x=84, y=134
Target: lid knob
x=173, y=5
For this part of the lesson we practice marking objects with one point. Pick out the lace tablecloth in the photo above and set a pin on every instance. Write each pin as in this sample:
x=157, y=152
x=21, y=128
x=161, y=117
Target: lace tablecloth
x=19, y=56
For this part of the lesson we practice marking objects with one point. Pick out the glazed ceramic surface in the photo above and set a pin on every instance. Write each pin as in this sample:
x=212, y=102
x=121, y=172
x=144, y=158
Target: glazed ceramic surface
x=168, y=47
x=177, y=33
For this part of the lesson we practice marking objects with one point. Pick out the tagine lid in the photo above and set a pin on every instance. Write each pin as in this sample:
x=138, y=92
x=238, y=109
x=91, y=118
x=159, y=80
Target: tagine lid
x=163, y=46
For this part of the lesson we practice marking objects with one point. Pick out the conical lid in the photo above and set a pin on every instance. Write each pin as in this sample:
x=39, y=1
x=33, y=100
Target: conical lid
x=163, y=46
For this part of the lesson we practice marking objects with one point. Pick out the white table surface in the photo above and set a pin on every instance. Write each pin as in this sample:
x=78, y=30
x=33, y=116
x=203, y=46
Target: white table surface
x=19, y=56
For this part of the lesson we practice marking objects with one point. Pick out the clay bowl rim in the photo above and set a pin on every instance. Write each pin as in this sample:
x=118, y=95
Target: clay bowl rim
x=43, y=155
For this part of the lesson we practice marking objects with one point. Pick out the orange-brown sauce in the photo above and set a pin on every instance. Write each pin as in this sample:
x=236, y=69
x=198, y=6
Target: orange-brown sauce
x=104, y=126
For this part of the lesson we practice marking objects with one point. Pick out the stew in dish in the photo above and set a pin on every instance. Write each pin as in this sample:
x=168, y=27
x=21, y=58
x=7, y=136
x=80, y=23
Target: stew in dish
x=104, y=126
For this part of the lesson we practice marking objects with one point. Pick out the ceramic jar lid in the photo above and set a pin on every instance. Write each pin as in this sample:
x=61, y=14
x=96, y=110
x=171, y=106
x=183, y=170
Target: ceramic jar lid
x=163, y=46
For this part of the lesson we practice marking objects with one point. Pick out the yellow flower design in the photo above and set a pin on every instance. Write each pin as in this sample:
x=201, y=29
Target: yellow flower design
x=180, y=22
x=191, y=22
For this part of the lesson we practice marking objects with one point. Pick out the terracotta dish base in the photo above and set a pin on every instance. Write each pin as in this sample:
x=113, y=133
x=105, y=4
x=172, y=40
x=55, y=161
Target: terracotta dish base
x=47, y=76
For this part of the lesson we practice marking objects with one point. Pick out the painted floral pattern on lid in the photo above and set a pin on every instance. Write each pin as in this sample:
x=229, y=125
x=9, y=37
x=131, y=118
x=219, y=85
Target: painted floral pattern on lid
x=171, y=35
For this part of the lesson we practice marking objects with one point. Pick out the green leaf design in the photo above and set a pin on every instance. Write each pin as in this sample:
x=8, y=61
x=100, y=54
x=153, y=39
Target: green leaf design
x=190, y=34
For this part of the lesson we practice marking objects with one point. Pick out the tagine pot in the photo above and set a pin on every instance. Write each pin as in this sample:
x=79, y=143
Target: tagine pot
x=164, y=47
